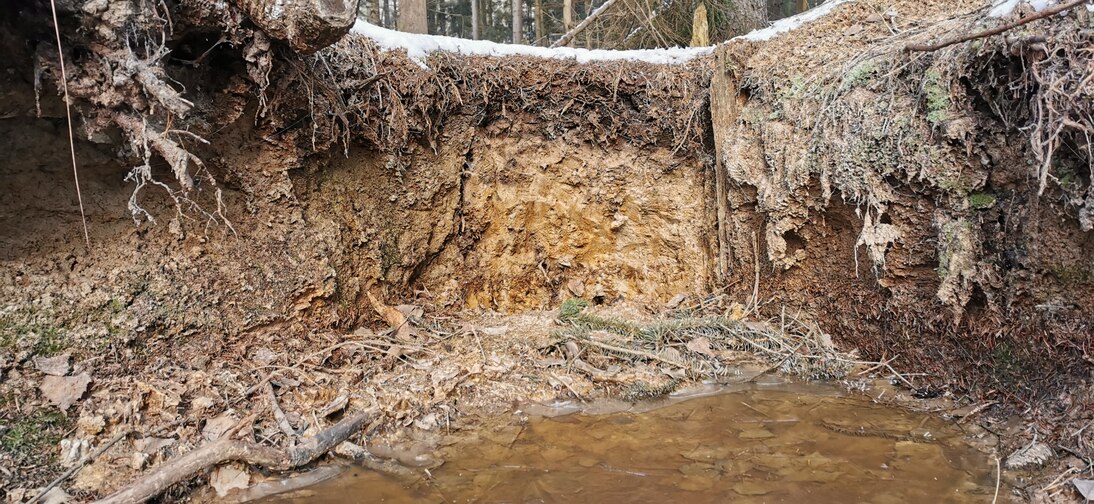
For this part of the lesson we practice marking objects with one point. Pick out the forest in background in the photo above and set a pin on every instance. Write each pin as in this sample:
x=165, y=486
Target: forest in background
x=624, y=24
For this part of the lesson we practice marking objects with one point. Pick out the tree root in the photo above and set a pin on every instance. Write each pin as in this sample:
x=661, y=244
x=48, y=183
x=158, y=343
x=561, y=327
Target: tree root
x=226, y=449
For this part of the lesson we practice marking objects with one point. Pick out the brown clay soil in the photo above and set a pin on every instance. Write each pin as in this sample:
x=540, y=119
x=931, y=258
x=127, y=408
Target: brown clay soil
x=884, y=201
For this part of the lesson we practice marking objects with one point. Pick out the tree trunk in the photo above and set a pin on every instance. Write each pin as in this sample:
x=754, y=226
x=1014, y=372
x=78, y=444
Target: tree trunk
x=518, y=22
x=475, y=35
x=749, y=15
x=700, y=29
x=374, y=12
x=541, y=37
x=568, y=17
x=412, y=16
x=588, y=33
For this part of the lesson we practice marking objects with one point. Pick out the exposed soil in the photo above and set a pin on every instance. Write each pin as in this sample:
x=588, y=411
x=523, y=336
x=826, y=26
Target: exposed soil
x=888, y=200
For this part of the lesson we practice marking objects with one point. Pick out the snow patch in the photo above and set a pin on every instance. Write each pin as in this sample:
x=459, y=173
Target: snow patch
x=793, y=22
x=1004, y=8
x=418, y=46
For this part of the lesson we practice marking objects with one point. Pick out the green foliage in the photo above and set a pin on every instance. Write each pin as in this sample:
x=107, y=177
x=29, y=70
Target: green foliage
x=981, y=201
x=938, y=98
x=571, y=308
x=25, y=438
x=1072, y=275
x=859, y=74
x=43, y=340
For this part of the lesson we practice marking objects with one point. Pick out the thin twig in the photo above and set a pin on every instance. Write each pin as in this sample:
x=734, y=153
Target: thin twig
x=279, y=414
x=995, y=31
x=68, y=115
x=998, y=476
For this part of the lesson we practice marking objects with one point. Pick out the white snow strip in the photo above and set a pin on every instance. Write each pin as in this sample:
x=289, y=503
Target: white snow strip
x=793, y=22
x=418, y=46
x=1004, y=8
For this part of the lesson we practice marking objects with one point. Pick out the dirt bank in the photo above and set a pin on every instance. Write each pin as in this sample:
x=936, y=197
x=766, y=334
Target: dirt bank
x=892, y=200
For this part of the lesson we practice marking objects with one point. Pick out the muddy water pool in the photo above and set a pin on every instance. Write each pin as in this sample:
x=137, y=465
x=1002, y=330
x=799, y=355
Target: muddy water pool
x=787, y=443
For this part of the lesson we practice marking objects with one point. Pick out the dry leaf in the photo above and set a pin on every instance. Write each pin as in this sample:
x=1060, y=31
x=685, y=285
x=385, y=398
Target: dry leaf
x=337, y=404
x=1085, y=487
x=54, y=366
x=394, y=318
x=676, y=301
x=55, y=496
x=701, y=345
x=64, y=391
x=412, y=312
x=218, y=426
x=230, y=477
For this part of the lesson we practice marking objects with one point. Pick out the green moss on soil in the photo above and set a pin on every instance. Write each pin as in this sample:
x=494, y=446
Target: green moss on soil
x=981, y=201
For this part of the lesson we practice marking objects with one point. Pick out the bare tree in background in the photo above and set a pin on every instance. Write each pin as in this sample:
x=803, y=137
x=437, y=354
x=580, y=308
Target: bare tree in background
x=568, y=16
x=518, y=22
x=412, y=16
x=475, y=22
x=541, y=30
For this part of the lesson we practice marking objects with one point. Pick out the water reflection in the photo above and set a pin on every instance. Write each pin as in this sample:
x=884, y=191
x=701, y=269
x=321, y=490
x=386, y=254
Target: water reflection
x=758, y=445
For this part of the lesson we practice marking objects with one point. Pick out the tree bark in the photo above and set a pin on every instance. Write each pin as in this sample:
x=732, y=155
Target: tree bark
x=568, y=17
x=749, y=15
x=518, y=22
x=475, y=35
x=541, y=37
x=374, y=14
x=413, y=16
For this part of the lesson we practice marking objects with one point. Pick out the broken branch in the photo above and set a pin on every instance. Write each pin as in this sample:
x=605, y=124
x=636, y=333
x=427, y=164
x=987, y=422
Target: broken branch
x=995, y=31
x=226, y=449
x=566, y=38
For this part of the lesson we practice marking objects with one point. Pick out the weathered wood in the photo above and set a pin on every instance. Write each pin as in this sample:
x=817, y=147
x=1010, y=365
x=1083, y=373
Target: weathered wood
x=306, y=25
x=226, y=449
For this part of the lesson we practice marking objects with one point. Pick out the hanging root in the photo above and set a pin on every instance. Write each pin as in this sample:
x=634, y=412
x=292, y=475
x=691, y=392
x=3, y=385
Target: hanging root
x=148, y=141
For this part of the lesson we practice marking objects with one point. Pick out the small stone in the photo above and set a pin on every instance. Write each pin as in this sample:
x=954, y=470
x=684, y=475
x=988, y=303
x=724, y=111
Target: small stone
x=90, y=425
x=54, y=366
x=576, y=287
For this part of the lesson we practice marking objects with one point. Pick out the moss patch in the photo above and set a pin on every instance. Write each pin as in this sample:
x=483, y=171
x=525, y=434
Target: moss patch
x=39, y=339
x=981, y=201
x=26, y=439
x=938, y=98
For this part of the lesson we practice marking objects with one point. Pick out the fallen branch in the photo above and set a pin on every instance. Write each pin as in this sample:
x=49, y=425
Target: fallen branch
x=565, y=39
x=279, y=414
x=226, y=449
x=995, y=31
